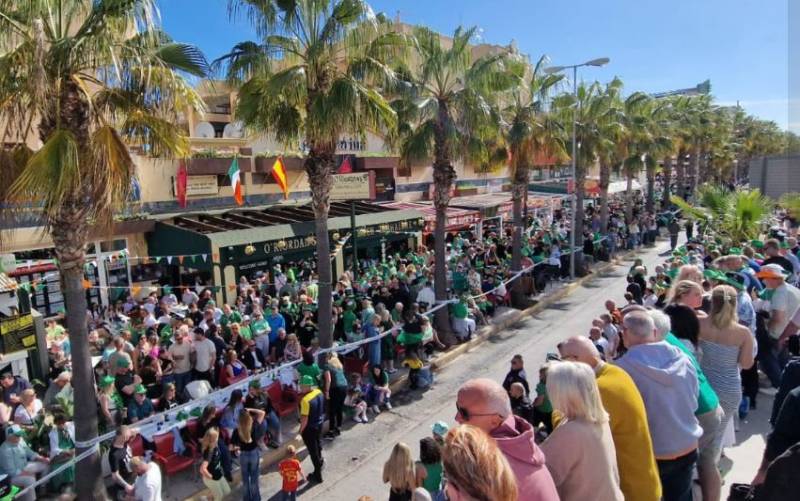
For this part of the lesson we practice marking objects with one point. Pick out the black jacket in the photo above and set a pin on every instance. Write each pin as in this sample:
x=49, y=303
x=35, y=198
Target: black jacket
x=523, y=407
x=517, y=376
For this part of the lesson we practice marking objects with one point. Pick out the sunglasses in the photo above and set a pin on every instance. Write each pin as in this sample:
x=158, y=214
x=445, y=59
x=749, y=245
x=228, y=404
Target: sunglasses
x=467, y=415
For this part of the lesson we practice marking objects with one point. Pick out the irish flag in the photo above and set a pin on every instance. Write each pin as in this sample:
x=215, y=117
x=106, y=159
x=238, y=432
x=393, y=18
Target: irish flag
x=236, y=182
x=279, y=174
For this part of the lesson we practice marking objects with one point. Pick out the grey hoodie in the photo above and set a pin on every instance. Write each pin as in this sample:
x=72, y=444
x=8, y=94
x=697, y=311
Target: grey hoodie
x=668, y=383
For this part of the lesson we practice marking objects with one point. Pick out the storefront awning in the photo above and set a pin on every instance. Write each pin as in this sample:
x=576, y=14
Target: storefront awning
x=248, y=234
x=456, y=219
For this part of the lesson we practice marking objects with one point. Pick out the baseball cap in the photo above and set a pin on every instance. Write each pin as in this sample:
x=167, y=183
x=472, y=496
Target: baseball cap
x=772, y=271
x=15, y=430
x=440, y=428
x=140, y=389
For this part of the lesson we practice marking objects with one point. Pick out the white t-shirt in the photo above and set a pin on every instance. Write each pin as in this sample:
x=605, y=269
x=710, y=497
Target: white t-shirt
x=206, y=353
x=786, y=299
x=180, y=356
x=148, y=486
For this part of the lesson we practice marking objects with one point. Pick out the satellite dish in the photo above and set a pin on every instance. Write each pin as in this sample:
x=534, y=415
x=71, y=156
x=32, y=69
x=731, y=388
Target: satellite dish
x=234, y=130
x=204, y=129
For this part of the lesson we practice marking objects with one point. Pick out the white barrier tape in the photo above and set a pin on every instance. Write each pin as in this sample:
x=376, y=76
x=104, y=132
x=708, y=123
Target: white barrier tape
x=223, y=393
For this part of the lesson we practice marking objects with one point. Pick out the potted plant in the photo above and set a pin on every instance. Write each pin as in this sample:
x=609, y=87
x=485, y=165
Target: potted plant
x=291, y=160
x=214, y=162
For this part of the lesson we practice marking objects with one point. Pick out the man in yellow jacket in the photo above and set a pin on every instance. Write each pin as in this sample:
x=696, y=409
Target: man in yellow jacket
x=636, y=462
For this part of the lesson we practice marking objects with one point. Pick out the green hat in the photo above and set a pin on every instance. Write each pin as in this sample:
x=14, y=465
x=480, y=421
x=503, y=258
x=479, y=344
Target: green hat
x=784, y=244
x=123, y=362
x=15, y=430
x=307, y=381
x=140, y=389
x=735, y=251
x=714, y=275
x=255, y=383
x=106, y=381
x=757, y=244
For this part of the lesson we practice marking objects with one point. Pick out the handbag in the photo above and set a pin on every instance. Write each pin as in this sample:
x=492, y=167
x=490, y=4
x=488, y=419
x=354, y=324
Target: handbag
x=742, y=492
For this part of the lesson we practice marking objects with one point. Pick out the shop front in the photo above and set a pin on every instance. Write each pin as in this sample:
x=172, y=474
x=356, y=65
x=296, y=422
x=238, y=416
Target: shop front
x=250, y=242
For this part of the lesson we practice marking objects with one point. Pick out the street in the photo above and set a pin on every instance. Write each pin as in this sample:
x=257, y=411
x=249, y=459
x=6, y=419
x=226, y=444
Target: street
x=354, y=461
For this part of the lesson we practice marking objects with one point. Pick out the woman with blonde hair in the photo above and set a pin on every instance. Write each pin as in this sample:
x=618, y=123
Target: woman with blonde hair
x=475, y=468
x=211, y=467
x=28, y=409
x=688, y=293
x=398, y=472
x=245, y=439
x=727, y=347
x=580, y=452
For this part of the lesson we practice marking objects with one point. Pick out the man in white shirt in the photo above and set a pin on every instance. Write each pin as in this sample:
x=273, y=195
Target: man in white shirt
x=427, y=295
x=181, y=351
x=205, y=355
x=189, y=297
x=783, y=305
x=148, y=480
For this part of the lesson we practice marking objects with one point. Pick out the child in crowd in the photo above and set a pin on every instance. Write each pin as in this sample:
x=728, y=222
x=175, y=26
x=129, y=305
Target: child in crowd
x=542, y=408
x=429, y=467
x=292, y=473
x=355, y=400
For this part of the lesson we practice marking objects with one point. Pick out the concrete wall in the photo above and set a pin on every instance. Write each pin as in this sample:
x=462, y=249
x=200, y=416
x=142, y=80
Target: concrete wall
x=775, y=175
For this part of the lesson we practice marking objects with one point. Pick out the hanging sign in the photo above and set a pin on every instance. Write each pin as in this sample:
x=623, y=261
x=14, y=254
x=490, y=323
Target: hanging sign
x=355, y=186
x=8, y=263
x=17, y=333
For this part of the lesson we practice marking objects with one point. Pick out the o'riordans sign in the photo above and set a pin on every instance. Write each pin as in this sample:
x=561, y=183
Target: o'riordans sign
x=355, y=186
x=200, y=185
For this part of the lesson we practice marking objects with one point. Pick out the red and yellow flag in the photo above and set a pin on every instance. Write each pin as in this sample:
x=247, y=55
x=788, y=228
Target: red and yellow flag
x=279, y=174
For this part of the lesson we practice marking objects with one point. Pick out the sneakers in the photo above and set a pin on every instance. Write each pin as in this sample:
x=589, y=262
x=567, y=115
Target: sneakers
x=376, y=409
x=337, y=432
x=357, y=418
x=388, y=406
x=391, y=371
x=329, y=436
x=365, y=420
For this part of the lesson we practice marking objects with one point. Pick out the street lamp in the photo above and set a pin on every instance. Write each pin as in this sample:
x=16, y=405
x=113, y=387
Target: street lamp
x=601, y=61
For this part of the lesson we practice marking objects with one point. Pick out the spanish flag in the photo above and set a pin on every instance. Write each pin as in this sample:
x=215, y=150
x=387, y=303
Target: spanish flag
x=279, y=174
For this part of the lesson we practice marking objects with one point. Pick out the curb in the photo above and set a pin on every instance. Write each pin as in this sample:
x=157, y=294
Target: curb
x=273, y=456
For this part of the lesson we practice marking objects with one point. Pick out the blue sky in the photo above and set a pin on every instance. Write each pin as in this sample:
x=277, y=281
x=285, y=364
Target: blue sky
x=742, y=46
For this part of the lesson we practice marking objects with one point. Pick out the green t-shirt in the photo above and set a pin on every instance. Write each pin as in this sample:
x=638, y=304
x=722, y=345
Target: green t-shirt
x=312, y=370
x=245, y=332
x=460, y=310
x=707, y=400
x=312, y=290
x=259, y=326
x=348, y=319
x=546, y=406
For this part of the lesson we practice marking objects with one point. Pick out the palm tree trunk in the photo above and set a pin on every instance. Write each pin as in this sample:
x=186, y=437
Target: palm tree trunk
x=680, y=175
x=443, y=177
x=580, y=191
x=629, y=195
x=605, y=180
x=694, y=172
x=518, y=189
x=667, y=180
x=70, y=235
x=319, y=166
x=650, y=203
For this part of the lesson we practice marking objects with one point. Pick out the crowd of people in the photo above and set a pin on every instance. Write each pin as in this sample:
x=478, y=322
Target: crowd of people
x=648, y=400
x=170, y=345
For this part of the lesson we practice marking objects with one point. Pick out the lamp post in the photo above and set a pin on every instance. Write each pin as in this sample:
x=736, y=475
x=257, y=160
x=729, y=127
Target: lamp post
x=602, y=61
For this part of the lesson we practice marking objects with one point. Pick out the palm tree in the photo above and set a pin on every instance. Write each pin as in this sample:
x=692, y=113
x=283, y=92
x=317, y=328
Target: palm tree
x=737, y=215
x=449, y=114
x=529, y=131
x=85, y=77
x=597, y=127
x=318, y=71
